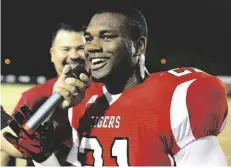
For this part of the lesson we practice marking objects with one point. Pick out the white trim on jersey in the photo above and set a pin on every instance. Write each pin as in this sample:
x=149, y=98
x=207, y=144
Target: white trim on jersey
x=72, y=156
x=172, y=160
x=70, y=114
x=110, y=97
x=179, y=115
x=51, y=161
x=223, y=124
x=200, y=152
x=205, y=151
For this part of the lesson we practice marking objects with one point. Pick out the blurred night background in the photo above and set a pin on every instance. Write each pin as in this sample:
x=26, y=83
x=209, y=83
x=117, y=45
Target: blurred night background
x=181, y=33
x=185, y=33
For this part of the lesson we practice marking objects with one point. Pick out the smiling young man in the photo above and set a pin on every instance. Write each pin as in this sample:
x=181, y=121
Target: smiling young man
x=128, y=118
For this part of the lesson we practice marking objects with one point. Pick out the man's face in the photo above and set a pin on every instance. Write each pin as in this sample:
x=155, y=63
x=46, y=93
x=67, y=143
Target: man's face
x=68, y=48
x=108, y=48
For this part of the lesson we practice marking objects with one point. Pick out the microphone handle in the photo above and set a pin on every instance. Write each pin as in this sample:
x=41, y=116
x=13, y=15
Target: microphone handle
x=46, y=109
x=42, y=113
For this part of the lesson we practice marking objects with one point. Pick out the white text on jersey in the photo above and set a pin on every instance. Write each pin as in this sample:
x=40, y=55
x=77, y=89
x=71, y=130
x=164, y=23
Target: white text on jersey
x=106, y=121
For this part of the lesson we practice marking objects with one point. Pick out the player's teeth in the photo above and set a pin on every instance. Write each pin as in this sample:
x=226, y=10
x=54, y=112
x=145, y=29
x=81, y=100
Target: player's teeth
x=97, y=60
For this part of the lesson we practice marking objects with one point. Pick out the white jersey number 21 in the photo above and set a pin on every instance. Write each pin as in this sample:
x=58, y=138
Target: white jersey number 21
x=119, y=149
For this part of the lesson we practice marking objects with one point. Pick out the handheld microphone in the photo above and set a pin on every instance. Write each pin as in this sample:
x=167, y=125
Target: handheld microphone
x=46, y=109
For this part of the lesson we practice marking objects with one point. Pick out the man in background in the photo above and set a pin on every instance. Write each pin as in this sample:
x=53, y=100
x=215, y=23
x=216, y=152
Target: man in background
x=67, y=49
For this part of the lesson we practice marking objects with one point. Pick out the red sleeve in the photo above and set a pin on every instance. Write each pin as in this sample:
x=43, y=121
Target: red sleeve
x=198, y=108
x=23, y=100
x=36, y=96
x=207, y=106
x=32, y=99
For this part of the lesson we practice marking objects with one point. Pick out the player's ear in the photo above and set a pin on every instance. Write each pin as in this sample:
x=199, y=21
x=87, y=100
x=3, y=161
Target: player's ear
x=52, y=54
x=141, y=45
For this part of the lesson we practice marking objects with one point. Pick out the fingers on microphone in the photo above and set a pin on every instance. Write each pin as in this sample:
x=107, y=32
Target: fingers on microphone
x=83, y=77
x=66, y=103
x=75, y=82
x=66, y=69
x=70, y=88
x=63, y=92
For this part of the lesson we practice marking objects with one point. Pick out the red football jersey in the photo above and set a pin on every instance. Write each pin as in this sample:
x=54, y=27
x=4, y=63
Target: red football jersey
x=35, y=96
x=149, y=123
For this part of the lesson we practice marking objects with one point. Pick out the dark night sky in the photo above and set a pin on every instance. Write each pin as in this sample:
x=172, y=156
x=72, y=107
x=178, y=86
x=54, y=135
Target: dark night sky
x=187, y=33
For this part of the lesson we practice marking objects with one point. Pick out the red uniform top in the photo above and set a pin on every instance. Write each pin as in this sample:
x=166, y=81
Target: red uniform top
x=149, y=123
x=35, y=96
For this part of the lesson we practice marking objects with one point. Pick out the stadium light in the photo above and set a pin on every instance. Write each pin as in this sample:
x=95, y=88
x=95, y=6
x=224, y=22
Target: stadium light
x=163, y=61
x=7, y=61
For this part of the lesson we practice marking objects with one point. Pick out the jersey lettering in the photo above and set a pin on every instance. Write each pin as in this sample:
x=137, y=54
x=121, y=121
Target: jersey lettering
x=184, y=71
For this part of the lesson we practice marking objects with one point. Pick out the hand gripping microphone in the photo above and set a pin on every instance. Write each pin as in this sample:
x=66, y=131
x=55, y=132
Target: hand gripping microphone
x=46, y=109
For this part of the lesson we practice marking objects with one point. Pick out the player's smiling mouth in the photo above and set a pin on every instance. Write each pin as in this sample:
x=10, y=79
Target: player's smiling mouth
x=98, y=62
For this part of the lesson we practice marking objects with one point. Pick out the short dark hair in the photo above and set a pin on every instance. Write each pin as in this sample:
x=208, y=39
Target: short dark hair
x=67, y=27
x=136, y=20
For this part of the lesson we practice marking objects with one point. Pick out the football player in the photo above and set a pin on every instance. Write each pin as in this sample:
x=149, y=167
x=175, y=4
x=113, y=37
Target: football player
x=129, y=118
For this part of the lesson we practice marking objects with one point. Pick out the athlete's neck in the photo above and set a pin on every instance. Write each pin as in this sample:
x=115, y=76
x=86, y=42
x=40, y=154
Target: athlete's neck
x=122, y=82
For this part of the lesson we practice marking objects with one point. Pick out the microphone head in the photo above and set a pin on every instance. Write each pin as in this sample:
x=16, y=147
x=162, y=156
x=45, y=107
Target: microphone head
x=75, y=73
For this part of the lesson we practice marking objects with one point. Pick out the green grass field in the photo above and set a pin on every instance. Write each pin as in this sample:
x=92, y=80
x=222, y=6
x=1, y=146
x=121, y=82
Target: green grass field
x=10, y=94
